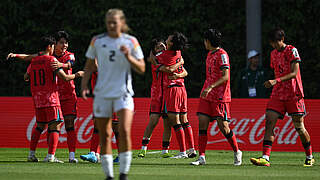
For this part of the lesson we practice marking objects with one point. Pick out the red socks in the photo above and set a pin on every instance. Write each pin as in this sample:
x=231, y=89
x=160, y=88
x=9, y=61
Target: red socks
x=71, y=139
x=180, y=137
x=53, y=141
x=266, y=148
x=203, y=138
x=35, y=136
x=232, y=141
x=95, y=140
x=189, y=134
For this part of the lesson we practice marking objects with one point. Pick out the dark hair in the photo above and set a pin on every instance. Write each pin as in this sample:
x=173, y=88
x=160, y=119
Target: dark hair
x=154, y=43
x=62, y=34
x=276, y=34
x=214, y=36
x=179, y=41
x=46, y=41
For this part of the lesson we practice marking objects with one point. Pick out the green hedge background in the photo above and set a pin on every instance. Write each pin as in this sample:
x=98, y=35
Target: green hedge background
x=22, y=23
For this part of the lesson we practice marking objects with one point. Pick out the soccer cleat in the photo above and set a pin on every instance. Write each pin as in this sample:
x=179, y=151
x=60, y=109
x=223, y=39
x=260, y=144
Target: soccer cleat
x=52, y=160
x=260, y=161
x=32, y=158
x=91, y=157
x=74, y=160
x=200, y=161
x=180, y=156
x=237, y=158
x=142, y=153
x=308, y=162
x=166, y=155
x=116, y=160
x=192, y=153
x=123, y=176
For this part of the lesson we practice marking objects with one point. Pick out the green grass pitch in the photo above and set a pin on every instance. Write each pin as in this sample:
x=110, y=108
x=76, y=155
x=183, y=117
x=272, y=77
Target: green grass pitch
x=284, y=165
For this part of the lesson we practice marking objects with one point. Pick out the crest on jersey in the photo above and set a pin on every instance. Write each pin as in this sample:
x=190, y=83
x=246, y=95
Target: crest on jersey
x=295, y=53
x=224, y=59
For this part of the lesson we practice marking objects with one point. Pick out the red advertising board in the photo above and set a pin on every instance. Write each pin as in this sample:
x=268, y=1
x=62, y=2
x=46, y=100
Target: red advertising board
x=248, y=118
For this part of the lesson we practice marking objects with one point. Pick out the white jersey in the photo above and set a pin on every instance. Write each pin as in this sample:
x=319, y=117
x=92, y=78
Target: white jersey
x=114, y=70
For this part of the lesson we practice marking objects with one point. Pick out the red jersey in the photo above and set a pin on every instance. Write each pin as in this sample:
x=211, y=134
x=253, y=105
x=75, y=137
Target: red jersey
x=66, y=88
x=156, y=86
x=94, y=77
x=215, y=62
x=281, y=61
x=168, y=58
x=43, y=82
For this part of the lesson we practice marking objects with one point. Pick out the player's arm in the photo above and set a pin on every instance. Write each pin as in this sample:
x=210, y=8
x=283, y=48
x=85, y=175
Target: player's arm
x=137, y=65
x=292, y=74
x=180, y=75
x=90, y=67
x=61, y=74
x=26, y=77
x=172, y=68
x=224, y=78
x=24, y=57
x=57, y=64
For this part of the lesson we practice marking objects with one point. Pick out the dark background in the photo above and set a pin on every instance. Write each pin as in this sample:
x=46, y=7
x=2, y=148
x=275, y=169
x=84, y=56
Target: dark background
x=22, y=24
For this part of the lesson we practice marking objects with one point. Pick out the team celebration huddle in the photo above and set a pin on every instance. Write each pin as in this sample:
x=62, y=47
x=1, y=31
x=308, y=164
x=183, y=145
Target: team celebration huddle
x=112, y=55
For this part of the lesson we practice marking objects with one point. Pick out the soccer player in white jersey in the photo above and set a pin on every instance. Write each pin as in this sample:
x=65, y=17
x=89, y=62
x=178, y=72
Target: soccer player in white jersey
x=116, y=53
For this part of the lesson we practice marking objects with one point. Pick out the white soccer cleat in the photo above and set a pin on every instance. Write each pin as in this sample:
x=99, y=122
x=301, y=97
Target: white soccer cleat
x=180, y=156
x=237, y=158
x=52, y=160
x=200, y=161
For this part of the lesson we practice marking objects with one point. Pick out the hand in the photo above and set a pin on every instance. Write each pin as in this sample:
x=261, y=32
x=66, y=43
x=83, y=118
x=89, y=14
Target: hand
x=26, y=77
x=270, y=83
x=79, y=74
x=84, y=92
x=205, y=92
x=125, y=50
x=11, y=55
x=174, y=76
x=182, y=60
x=56, y=64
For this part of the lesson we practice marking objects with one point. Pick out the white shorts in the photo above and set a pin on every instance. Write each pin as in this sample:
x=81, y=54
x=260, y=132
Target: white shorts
x=104, y=107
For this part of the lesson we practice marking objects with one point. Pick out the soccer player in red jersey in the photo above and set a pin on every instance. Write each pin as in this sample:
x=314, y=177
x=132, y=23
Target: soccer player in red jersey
x=175, y=95
x=44, y=91
x=287, y=96
x=215, y=96
x=156, y=100
x=67, y=94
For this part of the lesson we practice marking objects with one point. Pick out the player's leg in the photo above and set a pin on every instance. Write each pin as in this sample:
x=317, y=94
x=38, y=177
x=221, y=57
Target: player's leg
x=189, y=135
x=296, y=110
x=271, y=120
x=104, y=126
x=204, y=121
x=298, y=122
x=124, y=107
x=223, y=125
x=174, y=119
x=35, y=136
x=166, y=137
x=71, y=137
x=53, y=130
x=153, y=121
x=94, y=154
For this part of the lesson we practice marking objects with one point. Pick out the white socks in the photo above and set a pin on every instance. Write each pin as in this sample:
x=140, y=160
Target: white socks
x=125, y=162
x=107, y=164
x=71, y=155
x=266, y=157
x=165, y=151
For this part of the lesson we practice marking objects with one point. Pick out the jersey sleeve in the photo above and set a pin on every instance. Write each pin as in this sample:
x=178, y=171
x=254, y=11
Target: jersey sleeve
x=71, y=59
x=294, y=55
x=224, y=61
x=53, y=60
x=136, y=50
x=91, y=51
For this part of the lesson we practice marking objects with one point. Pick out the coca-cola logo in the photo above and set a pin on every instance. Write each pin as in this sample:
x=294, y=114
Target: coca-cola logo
x=252, y=131
x=83, y=127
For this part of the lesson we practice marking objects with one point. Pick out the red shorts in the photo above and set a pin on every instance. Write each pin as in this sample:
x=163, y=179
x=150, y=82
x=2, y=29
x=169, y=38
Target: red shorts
x=69, y=106
x=293, y=107
x=175, y=100
x=49, y=114
x=155, y=105
x=214, y=109
x=114, y=117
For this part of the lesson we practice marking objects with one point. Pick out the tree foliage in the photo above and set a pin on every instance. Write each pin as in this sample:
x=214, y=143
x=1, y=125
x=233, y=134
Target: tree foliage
x=22, y=23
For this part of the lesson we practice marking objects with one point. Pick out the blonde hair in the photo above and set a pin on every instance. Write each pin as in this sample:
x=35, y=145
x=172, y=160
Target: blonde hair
x=112, y=12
